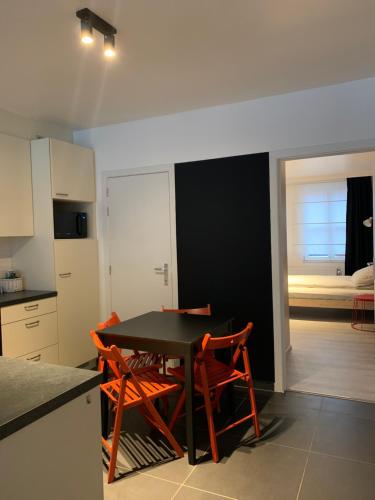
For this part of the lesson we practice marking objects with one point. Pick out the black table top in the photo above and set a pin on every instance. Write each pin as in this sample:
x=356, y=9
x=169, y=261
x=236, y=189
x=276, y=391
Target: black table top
x=183, y=329
x=29, y=390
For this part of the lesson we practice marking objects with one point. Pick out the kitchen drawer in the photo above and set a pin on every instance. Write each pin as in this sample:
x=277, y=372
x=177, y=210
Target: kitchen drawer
x=27, y=310
x=28, y=335
x=47, y=355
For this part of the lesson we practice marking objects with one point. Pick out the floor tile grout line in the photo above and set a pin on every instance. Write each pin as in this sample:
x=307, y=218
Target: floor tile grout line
x=196, y=465
x=161, y=478
x=303, y=476
x=313, y=452
x=338, y=457
x=307, y=460
x=208, y=491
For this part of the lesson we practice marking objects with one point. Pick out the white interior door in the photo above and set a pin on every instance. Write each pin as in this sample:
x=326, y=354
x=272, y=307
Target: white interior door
x=140, y=245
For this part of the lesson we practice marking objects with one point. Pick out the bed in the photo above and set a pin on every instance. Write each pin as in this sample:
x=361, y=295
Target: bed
x=316, y=291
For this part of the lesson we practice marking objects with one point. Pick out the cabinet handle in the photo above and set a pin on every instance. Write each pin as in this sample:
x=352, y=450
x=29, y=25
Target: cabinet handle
x=34, y=307
x=62, y=194
x=65, y=275
x=35, y=358
x=34, y=324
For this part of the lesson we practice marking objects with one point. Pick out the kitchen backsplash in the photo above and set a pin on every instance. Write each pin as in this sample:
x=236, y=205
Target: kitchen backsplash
x=5, y=256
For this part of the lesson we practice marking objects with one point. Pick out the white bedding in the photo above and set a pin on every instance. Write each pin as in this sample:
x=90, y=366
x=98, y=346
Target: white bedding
x=323, y=282
x=300, y=292
x=327, y=288
x=320, y=281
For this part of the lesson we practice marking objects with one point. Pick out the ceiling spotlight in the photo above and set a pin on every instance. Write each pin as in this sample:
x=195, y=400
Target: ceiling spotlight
x=86, y=32
x=89, y=22
x=109, y=46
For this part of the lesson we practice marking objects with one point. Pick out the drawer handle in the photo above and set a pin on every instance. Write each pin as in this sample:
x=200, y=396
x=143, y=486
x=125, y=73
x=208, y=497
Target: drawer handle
x=65, y=275
x=35, y=358
x=34, y=307
x=62, y=194
x=34, y=324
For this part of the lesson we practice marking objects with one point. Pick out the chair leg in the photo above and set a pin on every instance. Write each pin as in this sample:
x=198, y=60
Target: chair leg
x=115, y=442
x=163, y=427
x=210, y=421
x=165, y=359
x=165, y=405
x=254, y=407
x=177, y=410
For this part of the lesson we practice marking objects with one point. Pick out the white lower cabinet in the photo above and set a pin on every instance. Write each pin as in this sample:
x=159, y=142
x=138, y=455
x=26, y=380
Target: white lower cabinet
x=57, y=457
x=29, y=331
x=49, y=354
x=76, y=265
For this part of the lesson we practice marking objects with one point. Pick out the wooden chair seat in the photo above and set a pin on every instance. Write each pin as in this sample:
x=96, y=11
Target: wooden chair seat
x=217, y=374
x=153, y=384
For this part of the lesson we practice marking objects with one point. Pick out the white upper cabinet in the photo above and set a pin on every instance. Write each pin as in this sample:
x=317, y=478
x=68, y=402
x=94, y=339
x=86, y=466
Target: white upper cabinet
x=72, y=171
x=16, y=204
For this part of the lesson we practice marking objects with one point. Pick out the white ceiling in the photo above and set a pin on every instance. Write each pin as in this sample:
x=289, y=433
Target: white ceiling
x=176, y=55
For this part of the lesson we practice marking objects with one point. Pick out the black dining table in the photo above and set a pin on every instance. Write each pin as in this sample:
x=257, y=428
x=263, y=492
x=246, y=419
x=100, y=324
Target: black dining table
x=166, y=333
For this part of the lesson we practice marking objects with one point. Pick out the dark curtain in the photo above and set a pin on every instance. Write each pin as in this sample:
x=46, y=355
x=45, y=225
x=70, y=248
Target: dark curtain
x=359, y=240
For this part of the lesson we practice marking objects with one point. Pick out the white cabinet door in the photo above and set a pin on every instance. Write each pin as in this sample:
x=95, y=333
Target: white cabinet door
x=16, y=205
x=72, y=171
x=76, y=264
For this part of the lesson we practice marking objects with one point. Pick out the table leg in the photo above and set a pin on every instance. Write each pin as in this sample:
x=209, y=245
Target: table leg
x=189, y=386
x=104, y=403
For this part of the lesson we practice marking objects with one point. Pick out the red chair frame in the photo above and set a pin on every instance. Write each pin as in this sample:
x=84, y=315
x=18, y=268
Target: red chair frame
x=131, y=390
x=211, y=376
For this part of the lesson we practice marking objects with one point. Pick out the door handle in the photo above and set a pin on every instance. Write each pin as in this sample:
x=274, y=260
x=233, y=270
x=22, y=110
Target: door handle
x=163, y=270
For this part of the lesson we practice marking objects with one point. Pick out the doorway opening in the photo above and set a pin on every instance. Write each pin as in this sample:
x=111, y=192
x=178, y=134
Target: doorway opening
x=329, y=209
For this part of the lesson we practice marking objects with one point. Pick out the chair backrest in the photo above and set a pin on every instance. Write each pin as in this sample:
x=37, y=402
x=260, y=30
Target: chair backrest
x=108, y=355
x=203, y=311
x=239, y=339
x=112, y=321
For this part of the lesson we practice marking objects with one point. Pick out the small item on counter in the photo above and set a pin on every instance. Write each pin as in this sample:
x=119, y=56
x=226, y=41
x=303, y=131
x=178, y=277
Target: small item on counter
x=12, y=282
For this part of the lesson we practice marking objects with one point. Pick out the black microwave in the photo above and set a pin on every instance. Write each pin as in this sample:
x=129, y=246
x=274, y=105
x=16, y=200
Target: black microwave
x=68, y=224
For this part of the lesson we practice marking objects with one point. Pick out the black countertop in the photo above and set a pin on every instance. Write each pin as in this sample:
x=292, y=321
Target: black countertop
x=30, y=390
x=10, y=299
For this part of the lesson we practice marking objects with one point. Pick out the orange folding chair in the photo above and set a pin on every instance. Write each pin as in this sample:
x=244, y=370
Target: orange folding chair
x=131, y=390
x=202, y=311
x=137, y=361
x=211, y=376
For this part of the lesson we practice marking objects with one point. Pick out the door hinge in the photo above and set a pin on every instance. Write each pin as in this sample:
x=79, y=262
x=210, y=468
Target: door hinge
x=107, y=191
x=110, y=269
x=107, y=211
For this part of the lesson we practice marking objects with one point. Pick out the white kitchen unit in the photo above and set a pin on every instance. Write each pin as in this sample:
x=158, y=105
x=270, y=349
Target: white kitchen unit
x=29, y=331
x=76, y=264
x=69, y=266
x=72, y=171
x=49, y=432
x=16, y=204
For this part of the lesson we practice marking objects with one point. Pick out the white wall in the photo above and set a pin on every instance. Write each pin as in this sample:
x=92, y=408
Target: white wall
x=27, y=128
x=320, y=169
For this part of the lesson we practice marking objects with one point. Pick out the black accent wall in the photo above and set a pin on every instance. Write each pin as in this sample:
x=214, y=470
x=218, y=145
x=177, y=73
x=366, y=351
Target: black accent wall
x=224, y=245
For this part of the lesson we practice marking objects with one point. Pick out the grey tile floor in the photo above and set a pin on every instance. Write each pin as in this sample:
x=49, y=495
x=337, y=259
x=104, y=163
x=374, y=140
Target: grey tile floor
x=312, y=448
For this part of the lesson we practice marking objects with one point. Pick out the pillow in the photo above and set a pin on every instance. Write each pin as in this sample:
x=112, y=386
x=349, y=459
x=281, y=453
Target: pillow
x=364, y=278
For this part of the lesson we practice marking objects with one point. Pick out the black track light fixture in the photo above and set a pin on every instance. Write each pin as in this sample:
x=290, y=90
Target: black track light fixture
x=89, y=22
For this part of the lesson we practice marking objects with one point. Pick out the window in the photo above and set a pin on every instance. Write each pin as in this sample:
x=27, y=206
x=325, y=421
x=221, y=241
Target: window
x=320, y=220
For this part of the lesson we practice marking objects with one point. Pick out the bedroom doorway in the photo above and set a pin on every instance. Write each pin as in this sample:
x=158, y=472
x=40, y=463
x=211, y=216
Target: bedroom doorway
x=329, y=208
